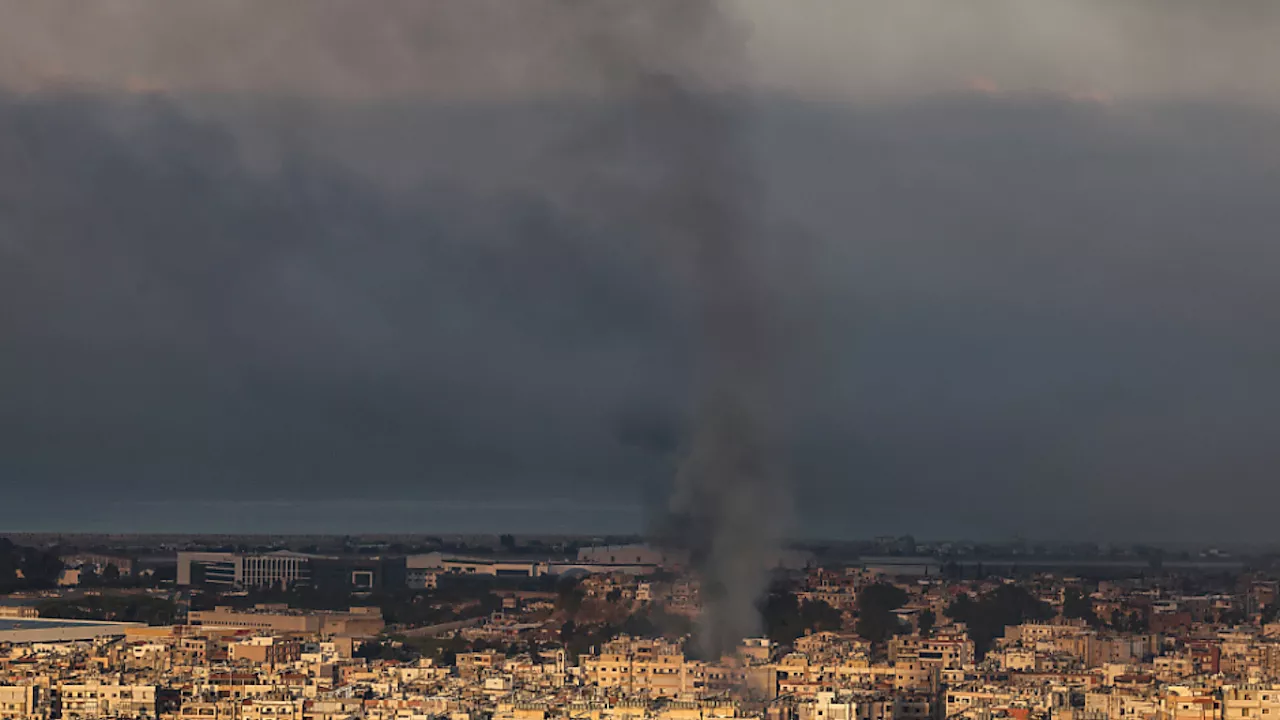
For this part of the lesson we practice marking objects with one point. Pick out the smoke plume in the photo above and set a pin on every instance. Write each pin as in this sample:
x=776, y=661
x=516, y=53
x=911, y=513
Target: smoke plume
x=680, y=127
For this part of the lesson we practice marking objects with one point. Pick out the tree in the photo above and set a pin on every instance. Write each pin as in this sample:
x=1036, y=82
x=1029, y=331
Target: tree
x=567, y=632
x=988, y=616
x=8, y=565
x=876, y=603
x=508, y=542
x=40, y=568
x=640, y=625
x=111, y=574
x=89, y=577
x=1119, y=621
x=1076, y=604
x=1269, y=612
x=1139, y=622
x=569, y=597
x=926, y=621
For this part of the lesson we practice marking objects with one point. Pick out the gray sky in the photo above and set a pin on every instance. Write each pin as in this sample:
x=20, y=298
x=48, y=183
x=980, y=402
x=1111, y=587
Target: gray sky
x=351, y=258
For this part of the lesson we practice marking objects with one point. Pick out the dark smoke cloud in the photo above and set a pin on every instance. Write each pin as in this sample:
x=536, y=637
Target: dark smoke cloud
x=691, y=191
x=1037, y=295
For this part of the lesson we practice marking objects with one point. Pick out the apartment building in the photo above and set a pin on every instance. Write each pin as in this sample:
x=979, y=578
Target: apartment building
x=655, y=667
x=92, y=700
x=20, y=702
x=265, y=650
x=943, y=652
x=1251, y=702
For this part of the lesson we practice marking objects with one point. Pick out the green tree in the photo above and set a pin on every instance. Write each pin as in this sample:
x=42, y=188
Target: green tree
x=40, y=568
x=1076, y=604
x=1269, y=612
x=569, y=597
x=89, y=577
x=988, y=616
x=1119, y=621
x=926, y=621
x=567, y=632
x=640, y=625
x=876, y=603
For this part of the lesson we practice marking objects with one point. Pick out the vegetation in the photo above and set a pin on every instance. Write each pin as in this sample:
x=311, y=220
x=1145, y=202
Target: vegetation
x=580, y=639
x=876, y=603
x=987, y=616
x=39, y=569
x=1076, y=604
x=926, y=621
x=655, y=622
x=785, y=618
x=130, y=607
x=569, y=597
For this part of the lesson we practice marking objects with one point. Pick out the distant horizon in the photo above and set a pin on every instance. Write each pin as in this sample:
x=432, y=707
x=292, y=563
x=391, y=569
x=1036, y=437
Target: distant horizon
x=473, y=533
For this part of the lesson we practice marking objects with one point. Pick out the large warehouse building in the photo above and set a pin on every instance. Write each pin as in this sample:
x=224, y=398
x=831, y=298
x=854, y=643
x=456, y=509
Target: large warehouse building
x=21, y=631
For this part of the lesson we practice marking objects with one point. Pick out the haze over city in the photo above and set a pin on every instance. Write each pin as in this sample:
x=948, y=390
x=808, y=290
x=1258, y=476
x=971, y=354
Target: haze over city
x=418, y=266
x=639, y=360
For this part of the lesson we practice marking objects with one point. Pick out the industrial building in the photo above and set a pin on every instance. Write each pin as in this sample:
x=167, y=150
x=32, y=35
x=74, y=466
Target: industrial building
x=290, y=569
x=21, y=631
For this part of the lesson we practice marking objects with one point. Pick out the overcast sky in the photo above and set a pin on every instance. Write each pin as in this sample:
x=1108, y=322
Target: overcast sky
x=321, y=266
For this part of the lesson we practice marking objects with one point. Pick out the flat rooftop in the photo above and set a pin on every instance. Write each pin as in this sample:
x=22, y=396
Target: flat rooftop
x=49, y=623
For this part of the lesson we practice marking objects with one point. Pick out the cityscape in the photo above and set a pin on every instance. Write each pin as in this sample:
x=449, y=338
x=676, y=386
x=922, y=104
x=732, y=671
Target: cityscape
x=532, y=628
x=507, y=627
x=639, y=359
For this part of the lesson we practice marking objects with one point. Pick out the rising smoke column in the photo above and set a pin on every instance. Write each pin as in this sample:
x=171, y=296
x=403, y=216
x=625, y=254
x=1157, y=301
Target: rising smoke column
x=695, y=195
x=725, y=506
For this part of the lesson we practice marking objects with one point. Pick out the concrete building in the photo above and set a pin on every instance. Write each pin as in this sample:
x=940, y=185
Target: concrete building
x=358, y=573
x=243, y=569
x=38, y=630
x=462, y=565
x=19, y=701
x=422, y=578
x=100, y=562
x=18, y=611
x=289, y=569
x=633, y=665
x=358, y=621
x=638, y=554
x=92, y=700
x=265, y=650
x=1251, y=702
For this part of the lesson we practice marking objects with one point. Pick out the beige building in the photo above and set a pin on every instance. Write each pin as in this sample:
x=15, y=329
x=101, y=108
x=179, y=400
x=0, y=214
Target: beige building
x=356, y=622
x=19, y=701
x=92, y=700
x=632, y=665
x=943, y=653
x=1181, y=703
x=18, y=611
x=263, y=709
x=1251, y=702
x=265, y=651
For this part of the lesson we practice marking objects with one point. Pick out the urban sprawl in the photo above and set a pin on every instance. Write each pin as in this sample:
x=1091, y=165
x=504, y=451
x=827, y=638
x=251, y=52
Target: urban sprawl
x=550, y=629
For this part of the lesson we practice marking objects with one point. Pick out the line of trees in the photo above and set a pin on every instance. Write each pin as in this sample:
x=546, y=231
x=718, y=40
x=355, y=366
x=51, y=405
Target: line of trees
x=987, y=616
x=27, y=568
